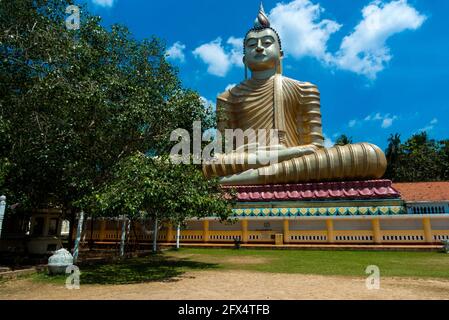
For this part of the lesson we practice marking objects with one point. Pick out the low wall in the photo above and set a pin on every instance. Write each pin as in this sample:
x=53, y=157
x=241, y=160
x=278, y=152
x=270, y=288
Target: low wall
x=416, y=229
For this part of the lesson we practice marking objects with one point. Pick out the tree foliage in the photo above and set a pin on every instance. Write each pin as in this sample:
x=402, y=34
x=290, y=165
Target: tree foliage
x=343, y=140
x=73, y=103
x=417, y=159
x=155, y=188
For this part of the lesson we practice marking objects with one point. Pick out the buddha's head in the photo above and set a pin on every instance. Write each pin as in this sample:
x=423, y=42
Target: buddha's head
x=262, y=46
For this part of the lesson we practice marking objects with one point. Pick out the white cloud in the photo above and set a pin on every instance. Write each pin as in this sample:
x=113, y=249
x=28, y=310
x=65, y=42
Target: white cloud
x=215, y=57
x=430, y=126
x=386, y=120
x=328, y=143
x=302, y=31
x=176, y=52
x=298, y=23
x=236, y=53
x=218, y=58
x=364, y=51
x=377, y=117
x=352, y=123
x=104, y=3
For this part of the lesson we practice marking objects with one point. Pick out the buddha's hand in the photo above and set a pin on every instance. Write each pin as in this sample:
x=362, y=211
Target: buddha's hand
x=248, y=158
x=265, y=156
x=296, y=152
x=309, y=149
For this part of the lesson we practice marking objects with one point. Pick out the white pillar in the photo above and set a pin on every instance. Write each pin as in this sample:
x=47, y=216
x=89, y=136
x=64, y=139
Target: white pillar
x=178, y=235
x=78, y=237
x=123, y=238
x=2, y=212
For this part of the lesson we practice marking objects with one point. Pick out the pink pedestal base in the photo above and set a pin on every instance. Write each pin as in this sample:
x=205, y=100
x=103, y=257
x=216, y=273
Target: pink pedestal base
x=347, y=190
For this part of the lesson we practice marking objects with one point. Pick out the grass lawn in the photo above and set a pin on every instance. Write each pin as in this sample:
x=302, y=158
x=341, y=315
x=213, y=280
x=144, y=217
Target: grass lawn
x=170, y=264
x=348, y=263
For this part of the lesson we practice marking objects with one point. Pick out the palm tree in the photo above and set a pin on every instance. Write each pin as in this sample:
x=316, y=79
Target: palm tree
x=392, y=154
x=394, y=145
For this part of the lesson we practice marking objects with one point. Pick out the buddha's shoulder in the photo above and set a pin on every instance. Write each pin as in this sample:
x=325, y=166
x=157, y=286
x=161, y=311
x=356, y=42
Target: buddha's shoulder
x=305, y=85
x=233, y=92
x=224, y=96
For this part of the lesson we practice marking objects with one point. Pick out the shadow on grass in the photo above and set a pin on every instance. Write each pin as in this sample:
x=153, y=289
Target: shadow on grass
x=154, y=268
x=137, y=270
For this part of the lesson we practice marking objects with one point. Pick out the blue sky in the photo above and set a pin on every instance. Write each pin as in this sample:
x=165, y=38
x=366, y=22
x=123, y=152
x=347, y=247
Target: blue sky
x=382, y=67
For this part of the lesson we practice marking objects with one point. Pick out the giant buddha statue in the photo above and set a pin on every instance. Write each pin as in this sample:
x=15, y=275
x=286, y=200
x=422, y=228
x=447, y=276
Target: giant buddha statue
x=268, y=100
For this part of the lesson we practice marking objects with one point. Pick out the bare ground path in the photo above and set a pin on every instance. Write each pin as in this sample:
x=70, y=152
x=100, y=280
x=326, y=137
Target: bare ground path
x=231, y=284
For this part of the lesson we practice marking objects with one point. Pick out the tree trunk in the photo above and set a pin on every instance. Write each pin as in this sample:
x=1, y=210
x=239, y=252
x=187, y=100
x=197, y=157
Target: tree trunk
x=72, y=219
x=2, y=212
x=128, y=233
x=78, y=237
x=155, y=236
x=123, y=238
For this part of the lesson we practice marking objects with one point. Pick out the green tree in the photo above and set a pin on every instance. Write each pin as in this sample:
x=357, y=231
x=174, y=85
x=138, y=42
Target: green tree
x=343, y=140
x=422, y=159
x=392, y=154
x=417, y=159
x=444, y=159
x=4, y=162
x=154, y=188
x=75, y=102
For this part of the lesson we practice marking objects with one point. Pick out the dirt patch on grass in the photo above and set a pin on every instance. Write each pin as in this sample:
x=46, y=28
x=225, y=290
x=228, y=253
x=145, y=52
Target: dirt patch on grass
x=239, y=285
x=245, y=260
x=218, y=259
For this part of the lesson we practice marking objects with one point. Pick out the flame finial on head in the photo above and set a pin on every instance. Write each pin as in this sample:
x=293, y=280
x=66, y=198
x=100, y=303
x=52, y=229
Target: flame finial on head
x=262, y=19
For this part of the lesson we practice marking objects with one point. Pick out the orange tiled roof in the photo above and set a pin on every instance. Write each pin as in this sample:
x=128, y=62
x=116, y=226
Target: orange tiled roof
x=423, y=191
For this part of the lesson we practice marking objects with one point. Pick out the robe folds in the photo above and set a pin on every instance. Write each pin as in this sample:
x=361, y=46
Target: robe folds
x=293, y=108
x=251, y=105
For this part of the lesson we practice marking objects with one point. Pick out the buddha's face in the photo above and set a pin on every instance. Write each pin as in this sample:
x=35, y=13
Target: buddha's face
x=262, y=50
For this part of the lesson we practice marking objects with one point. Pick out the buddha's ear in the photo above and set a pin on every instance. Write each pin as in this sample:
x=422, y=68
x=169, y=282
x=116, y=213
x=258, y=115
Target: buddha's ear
x=244, y=60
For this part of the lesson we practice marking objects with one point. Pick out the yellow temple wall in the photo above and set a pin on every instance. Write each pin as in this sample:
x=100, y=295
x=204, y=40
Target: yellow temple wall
x=425, y=229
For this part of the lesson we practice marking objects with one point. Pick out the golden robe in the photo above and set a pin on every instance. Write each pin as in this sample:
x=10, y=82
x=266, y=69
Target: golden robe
x=293, y=108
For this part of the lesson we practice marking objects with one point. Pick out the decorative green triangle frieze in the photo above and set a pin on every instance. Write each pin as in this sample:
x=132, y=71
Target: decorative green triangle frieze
x=319, y=212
